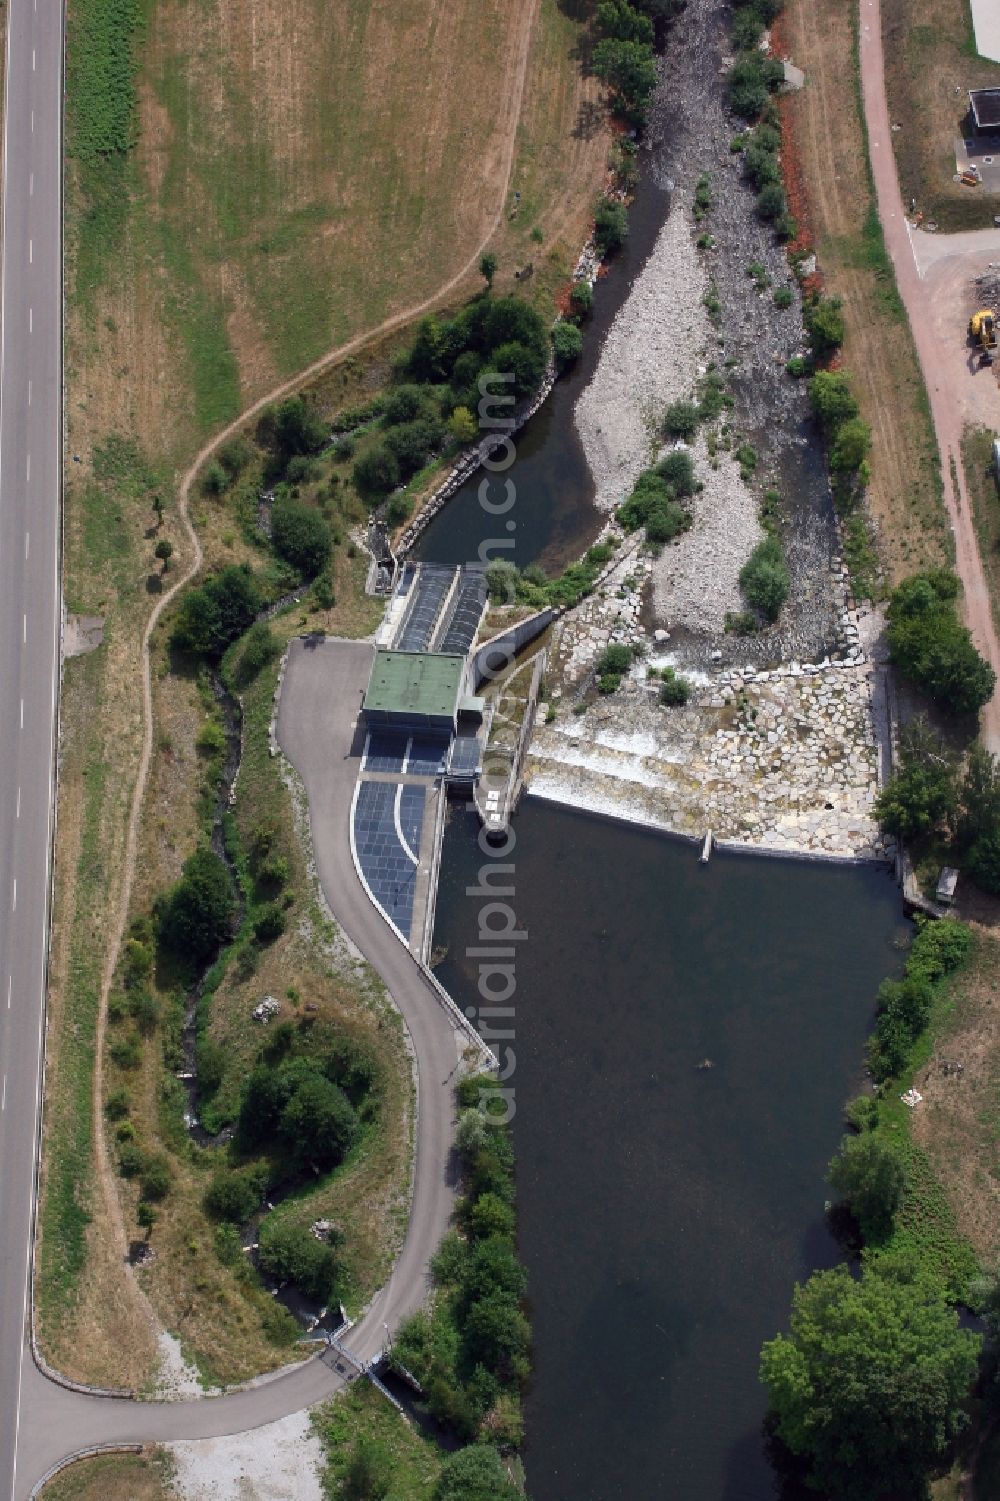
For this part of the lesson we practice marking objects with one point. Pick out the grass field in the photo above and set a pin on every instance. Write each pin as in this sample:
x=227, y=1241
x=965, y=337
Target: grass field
x=247, y=185
x=930, y=65
x=904, y=498
x=364, y=1414
x=114, y=1477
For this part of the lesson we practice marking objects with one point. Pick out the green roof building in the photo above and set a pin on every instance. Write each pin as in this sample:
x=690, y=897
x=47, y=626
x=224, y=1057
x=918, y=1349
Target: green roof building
x=415, y=690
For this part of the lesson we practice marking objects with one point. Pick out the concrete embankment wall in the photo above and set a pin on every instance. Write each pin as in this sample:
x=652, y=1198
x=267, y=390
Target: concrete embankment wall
x=496, y=655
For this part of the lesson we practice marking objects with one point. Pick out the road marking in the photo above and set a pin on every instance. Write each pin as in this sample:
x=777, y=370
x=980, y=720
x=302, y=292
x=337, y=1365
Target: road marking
x=27, y=468
x=31, y=319
x=3, y=1102
x=10, y=984
x=18, y=802
x=32, y=122
x=31, y=252
x=31, y=185
x=13, y=905
x=32, y=59
x=27, y=535
x=29, y=393
x=24, y=633
x=22, y=713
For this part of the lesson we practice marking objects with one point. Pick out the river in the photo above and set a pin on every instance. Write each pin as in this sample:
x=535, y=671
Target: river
x=666, y=1210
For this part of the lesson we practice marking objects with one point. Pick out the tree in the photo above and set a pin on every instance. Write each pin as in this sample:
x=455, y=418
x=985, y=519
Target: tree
x=462, y=425
x=824, y=322
x=870, y=1178
x=850, y=446
x=581, y=299
x=215, y=479
x=922, y=793
x=771, y=201
x=298, y=428
x=488, y=267
x=567, y=343
x=412, y=442
x=979, y=797
x=931, y=648
x=677, y=470
x=765, y=579
x=235, y=1195
x=375, y=473
x=474, y=1474
x=318, y=1124
x=196, y=914
x=292, y=1254
x=212, y=617
x=155, y=1178
x=146, y=1215
x=260, y=646
x=983, y=862
x=610, y=227
x=617, y=18
x=501, y=581
x=629, y=68
x=832, y=400
x=869, y=1387
x=164, y=551
x=301, y=536
x=681, y=419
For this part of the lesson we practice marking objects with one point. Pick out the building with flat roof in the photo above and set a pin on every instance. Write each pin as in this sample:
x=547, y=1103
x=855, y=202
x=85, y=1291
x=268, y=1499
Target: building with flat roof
x=984, y=111
x=414, y=689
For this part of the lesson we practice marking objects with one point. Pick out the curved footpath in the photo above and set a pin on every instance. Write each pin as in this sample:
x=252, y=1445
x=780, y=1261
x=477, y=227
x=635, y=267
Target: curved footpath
x=318, y=728
x=945, y=401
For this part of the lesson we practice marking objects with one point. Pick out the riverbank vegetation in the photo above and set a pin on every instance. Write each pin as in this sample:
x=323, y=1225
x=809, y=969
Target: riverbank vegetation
x=470, y=1351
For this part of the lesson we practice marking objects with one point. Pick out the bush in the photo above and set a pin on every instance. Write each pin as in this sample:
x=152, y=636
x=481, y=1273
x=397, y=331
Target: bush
x=567, y=343
x=292, y=1254
x=260, y=646
x=610, y=227
x=674, y=688
x=677, y=469
x=298, y=428
x=196, y=915
x=832, y=401
x=616, y=658
x=269, y=923
x=235, y=455
x=301, y=536
x=850, y=446
x=681, y=419
x=765, y=579
x=213, y=616
x=406, y=404
x=155, y=1177
x=376, y=473
x=501, y=581
x=761, y=166
x=922, y=792
x=411, y=443
x=750, y=81
x=473, y=1474
x=214, y=480
x=116, y=1106
x=581, y=299
x=629, y=68
x=783, y=298
x=131, y=1159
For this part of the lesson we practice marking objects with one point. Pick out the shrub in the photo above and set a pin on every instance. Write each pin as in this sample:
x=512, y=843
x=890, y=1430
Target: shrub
x=301, y=536
x=567, y=343
x=832, y=400
x=674, y=688
x=765, y=579
x=116, y=1106
x=155, y=1177
x=666, y=521
x=922, y=792
x=850, y=446
x=269, y=924
x=213, y=616
x=462, y=425
x=862, y=1113
x=677, y=469
x=783, y=298
x=629, y=68
x=131, y=1159
x=125, y=1052
x=870, y=1179
x=196, y=914
x=292, y=1254
x=235, y=455
x=797, y=367
x=610, y=227
x=761, y=166
x=680, y=420
x=475, y=1473
x=750, y=81
x=298, y=428
x=501, y=581
x=411, y=443
x=214, y=479
x=376, y=473
x=616, y=658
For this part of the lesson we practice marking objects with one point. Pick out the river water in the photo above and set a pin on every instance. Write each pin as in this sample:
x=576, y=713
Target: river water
x=666, y=1210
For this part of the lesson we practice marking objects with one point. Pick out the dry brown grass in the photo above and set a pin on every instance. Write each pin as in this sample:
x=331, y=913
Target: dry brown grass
x=114, y=1477
x=930, y=64
x=958, y=1124
x=904, y=496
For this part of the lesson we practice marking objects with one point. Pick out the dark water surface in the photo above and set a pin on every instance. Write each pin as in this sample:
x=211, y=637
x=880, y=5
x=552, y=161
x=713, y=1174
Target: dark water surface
x=665, y=1211
x=555, y=516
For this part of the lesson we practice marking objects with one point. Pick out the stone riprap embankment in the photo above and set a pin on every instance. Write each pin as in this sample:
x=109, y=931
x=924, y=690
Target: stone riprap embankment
x=785, y=762
x=651, y=356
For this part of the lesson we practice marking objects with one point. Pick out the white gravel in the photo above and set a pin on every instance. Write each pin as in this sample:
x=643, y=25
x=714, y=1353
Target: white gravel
x=651, y=356
x=696, y=578
x=279, y=1462
x=176, y=1377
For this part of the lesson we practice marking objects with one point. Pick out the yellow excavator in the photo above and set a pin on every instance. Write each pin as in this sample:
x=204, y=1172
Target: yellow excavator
x=983, y=333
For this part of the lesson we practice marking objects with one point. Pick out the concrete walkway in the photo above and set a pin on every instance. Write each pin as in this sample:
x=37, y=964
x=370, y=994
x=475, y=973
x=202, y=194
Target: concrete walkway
x=986, y=25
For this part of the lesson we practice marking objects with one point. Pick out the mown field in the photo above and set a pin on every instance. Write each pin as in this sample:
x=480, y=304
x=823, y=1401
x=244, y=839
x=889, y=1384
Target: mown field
x=827, y=131
x=247, y=186
x=114, y=1477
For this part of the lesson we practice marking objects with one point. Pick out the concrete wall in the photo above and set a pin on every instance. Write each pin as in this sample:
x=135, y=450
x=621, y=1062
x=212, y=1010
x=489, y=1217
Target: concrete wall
x=502, y=649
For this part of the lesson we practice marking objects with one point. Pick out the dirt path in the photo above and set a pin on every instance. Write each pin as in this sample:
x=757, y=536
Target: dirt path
x=512, y=99
x=934, y=350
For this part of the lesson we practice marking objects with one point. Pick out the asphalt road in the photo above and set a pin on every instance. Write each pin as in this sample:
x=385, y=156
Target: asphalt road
x=30, y=443
x=318, y=730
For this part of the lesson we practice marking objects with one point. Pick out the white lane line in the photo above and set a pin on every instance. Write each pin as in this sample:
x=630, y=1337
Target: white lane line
x=31, y=184
x=32, y=122
x=22, y=713
x=32, y=59
x=10, y=986
x=19, y=802
x=29, y=393
x=27, y=535
x=13, y=905
x=3, y=1102
x=27, y=468
x=31, y=252
x=31, y=319
x=24, y=632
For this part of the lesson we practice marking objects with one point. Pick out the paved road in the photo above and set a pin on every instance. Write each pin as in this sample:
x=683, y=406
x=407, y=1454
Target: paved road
x=30, y=374
x=317, y=728
x=943, y=382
